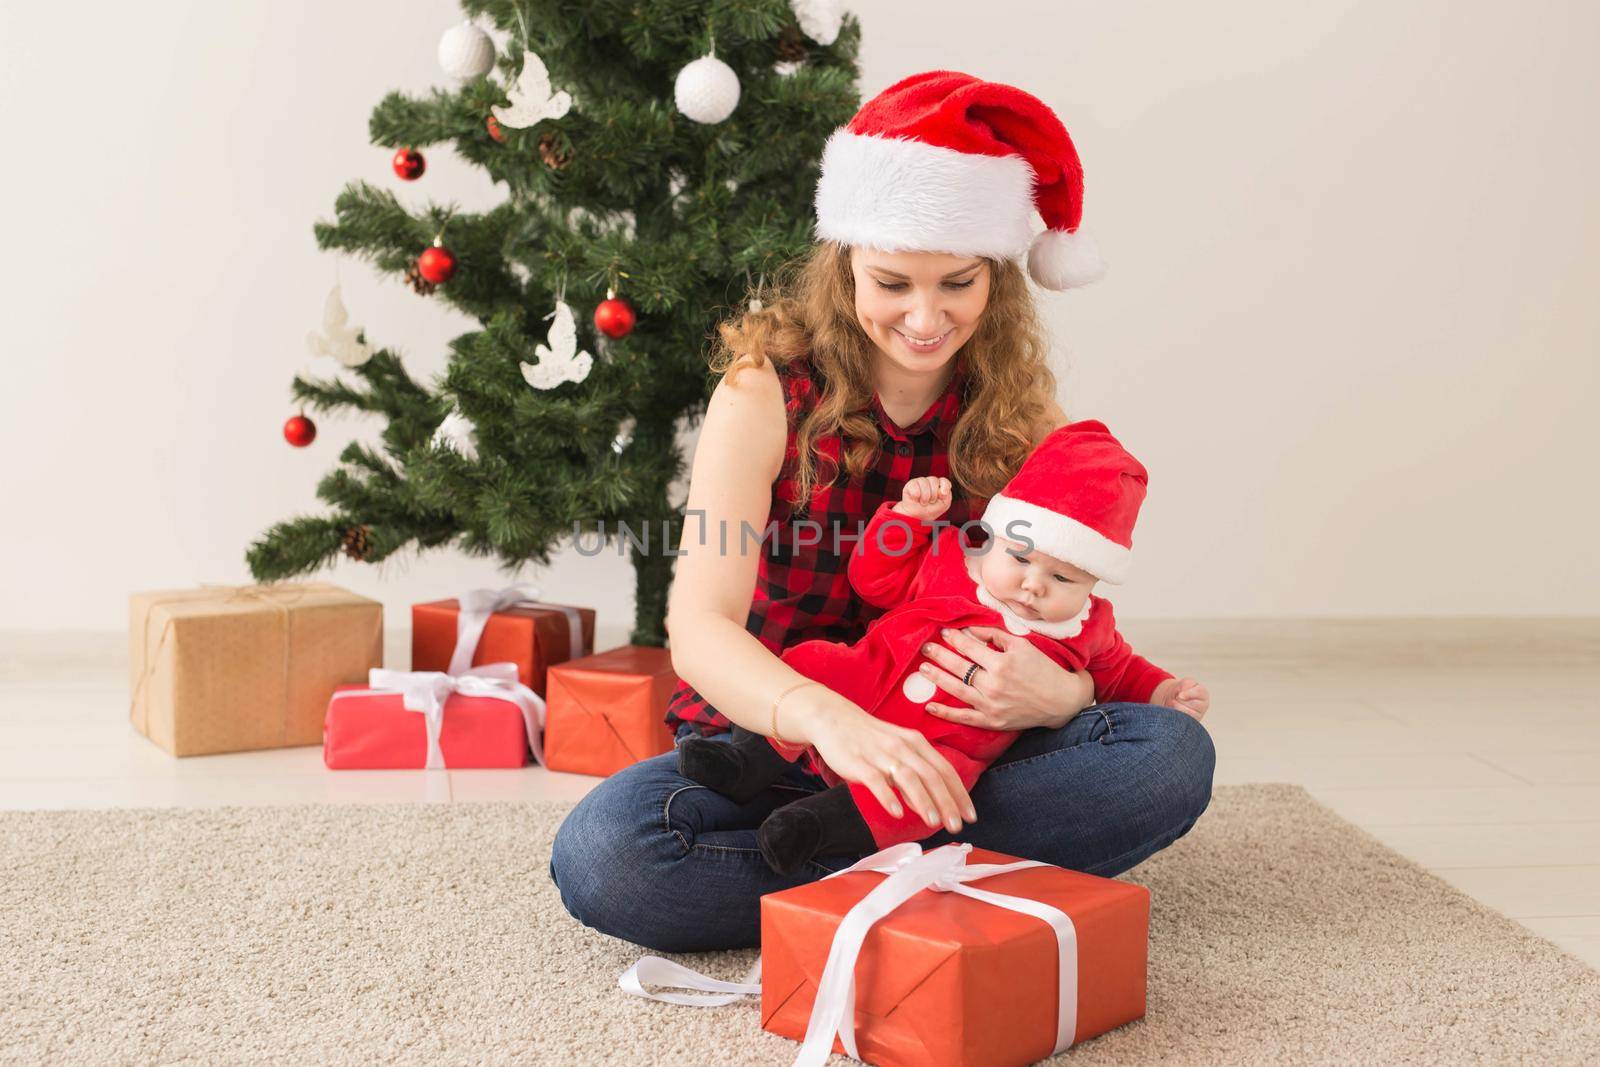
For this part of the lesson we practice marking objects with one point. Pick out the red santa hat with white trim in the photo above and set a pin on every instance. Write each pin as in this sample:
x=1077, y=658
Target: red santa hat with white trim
x=1076, y=498
x=947, y=162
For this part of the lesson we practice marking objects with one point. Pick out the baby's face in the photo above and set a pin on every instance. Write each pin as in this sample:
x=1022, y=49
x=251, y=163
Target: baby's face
x=1032, y=584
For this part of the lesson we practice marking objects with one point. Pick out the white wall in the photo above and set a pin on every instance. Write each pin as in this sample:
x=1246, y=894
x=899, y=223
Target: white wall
x=1350, y=322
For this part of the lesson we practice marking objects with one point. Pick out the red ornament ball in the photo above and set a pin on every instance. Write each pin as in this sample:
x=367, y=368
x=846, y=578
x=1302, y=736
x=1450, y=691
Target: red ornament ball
x=299, y=431
x=409, y=164
x=614, y=317
x=493, y=125
x=436, y=264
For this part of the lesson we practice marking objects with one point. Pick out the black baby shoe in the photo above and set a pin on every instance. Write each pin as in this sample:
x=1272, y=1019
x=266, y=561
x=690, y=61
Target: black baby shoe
x=717, y=765
x=739, y=768
x=822, y=824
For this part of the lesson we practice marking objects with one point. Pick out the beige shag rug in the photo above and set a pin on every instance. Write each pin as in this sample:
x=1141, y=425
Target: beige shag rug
x=432, y=934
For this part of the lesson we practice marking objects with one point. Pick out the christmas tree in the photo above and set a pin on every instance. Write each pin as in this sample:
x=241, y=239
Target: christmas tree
x=658, y=157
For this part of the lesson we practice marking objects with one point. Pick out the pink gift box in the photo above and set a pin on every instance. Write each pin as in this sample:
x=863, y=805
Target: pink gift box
x=375, y=731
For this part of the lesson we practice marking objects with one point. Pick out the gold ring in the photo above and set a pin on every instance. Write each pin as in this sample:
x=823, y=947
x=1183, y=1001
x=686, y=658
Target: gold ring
x=892, y=768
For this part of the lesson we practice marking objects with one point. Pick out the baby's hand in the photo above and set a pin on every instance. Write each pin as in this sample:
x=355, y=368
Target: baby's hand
x=1185, y=695
x=924, y=498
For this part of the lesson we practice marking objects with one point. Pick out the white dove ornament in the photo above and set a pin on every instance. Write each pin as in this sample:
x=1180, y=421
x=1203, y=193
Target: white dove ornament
x=561, y=362
x=531, y=98
x=819, y=20
x=337, y=339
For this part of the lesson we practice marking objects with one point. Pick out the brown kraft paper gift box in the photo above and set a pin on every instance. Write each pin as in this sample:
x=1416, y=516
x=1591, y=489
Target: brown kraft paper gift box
x=607, y=711
x=232, y=669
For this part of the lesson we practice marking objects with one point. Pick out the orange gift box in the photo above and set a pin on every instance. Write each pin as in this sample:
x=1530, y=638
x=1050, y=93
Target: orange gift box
x=535, y=638
x=945, y=979
x=608, y=711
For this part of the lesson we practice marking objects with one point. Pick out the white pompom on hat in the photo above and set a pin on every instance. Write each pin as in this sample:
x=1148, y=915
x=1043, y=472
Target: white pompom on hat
x=947, y=162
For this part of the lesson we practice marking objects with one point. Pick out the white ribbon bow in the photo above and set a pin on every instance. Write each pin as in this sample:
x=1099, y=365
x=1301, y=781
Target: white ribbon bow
x=428, y=691
x=910, y=870
x=478, y=604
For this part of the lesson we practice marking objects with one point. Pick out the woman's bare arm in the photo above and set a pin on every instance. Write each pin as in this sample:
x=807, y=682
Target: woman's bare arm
x=730, y=489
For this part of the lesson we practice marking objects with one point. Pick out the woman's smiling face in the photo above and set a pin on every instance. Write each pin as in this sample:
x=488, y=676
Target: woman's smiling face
x=904, y=298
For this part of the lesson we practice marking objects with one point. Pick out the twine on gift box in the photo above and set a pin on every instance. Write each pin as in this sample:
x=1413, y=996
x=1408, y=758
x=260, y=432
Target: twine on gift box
x=267, y=593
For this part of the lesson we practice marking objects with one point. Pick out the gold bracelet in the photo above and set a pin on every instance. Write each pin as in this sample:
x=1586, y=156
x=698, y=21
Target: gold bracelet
x=775, y=703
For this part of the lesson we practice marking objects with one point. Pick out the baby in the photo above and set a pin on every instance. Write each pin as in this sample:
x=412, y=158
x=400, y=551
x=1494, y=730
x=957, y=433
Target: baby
x=1062, y=523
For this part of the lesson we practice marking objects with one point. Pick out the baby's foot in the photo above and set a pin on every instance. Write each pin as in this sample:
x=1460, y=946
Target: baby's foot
x=822, y=824
x=789, y=837
x=740, y=769
x=714, y=764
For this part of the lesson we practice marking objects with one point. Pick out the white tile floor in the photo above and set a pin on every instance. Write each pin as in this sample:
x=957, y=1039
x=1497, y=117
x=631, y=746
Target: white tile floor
x=1475, y=753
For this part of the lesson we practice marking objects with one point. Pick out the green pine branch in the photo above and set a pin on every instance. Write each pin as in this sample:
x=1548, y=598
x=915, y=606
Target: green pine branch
x=295, y=547
x=623, y=190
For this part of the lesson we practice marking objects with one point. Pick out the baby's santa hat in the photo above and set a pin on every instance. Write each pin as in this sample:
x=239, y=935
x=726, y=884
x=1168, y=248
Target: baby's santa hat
x=1076, y=498
x=946, y=162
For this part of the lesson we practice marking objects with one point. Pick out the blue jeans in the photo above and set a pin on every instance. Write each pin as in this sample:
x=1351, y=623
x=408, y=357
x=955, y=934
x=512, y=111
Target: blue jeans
x=654, y=858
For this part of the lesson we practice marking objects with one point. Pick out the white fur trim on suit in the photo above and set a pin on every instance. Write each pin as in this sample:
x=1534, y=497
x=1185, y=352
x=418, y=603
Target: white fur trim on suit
x=1016, y=624
x=1059, y=536
x=1062, y=260
x=897, y=194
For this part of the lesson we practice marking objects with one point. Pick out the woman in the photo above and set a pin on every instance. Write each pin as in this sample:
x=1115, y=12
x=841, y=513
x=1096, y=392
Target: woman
x=907, y=345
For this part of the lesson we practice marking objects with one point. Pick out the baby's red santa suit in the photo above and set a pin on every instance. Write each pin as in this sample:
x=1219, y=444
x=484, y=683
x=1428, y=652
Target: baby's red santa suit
x=1075, y=498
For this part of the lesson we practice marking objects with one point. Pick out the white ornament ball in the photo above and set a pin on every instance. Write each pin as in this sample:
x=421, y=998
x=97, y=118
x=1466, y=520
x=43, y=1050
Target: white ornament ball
x=456, y=432
x=466, y=52
x=707, y=90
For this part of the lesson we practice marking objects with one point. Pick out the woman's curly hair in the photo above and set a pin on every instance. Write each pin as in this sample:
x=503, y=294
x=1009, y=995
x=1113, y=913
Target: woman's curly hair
x=812, y=314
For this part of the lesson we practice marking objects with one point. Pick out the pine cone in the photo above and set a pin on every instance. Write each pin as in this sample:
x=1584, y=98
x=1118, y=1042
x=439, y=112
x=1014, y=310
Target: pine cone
x=792, y=46
x=553, y=157
x=420, y=285
x=357, y=542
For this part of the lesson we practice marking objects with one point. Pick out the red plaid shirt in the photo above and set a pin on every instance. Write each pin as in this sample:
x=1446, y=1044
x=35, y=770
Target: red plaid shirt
x=802, y=592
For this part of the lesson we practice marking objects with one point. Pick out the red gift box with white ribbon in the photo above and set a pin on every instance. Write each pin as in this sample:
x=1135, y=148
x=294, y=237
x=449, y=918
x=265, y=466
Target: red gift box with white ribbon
x=499, y=625
x=433, y=720
x=911, y=957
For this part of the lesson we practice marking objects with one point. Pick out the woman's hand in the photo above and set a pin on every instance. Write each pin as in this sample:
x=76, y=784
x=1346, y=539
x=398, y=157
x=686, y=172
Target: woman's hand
x=1016, y=686
x=881, y=756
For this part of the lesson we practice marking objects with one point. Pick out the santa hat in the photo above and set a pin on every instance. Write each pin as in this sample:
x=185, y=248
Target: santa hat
x=946, y=162
x=1076, y=498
